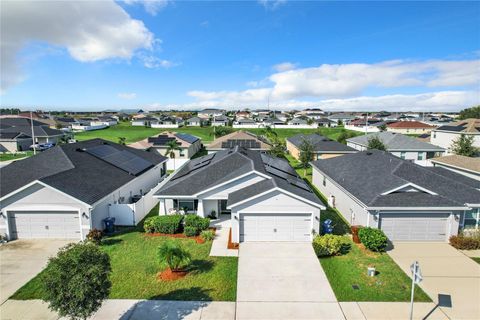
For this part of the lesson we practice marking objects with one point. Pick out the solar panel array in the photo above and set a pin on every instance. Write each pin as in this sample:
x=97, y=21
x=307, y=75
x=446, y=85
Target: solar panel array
x=282, y=169
x=122, y=159
x=187, y=137
x=194, y=165
x=246, y=143
x=160, y=140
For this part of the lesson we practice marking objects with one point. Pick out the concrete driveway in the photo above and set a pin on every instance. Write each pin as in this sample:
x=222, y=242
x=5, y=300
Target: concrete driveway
x=283, y=280
x=21, y=260
x=445, y=271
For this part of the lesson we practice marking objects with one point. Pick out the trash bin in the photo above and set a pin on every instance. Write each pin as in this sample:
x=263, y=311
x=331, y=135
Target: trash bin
x=109, y=224
x=327, y=227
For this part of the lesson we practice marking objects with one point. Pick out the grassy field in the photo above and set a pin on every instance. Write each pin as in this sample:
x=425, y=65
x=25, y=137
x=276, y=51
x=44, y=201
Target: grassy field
x=476, y=259
x=15, y=156
x=133, y=257
x=133, y=134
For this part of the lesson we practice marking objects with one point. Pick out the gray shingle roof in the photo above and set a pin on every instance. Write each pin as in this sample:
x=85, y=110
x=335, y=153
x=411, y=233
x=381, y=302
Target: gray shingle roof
x=396, y=142
x=76, y=173
x=320, y=143
x=226, y=165
x=366, y=175
x=23, y=125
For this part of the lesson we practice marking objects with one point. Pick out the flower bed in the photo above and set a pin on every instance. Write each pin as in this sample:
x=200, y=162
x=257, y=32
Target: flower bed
x=198, y=239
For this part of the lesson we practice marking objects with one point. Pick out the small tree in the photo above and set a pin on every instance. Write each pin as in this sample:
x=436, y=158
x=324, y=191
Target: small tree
x=344, y=135
x=172, y=146
x=221, y=131
x=277, y=149
x=473, y=112
x=306, y=154
x=173, y=254
x=76, y=280
x=382, y=127
x=269, y=134
x=376, y=143
x=122, y=140
x=463, y=146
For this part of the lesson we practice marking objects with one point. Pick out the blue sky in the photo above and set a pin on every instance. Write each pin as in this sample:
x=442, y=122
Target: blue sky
x=187, y=55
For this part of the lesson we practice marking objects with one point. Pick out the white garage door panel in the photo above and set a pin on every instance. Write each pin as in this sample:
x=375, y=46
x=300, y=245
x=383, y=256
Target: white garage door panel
x=415, y=226
x=275, y=227
x=44, y=224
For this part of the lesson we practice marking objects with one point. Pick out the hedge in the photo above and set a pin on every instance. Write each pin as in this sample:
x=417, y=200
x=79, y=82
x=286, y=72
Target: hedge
x=164, y=224
x=197, y=222
x=329, y=245
x=373, y=239
x=464, y=243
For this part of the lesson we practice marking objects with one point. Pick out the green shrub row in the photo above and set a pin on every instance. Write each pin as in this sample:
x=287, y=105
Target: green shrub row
x=164, y=224
x=373, y=239
x=195, y=224
x=465, y=243
x=330, y=245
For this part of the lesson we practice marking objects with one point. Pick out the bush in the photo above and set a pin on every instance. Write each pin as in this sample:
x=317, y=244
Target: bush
x=164, y=224
x=95, y=236
x=207, y=235
x=172, y=253
x=76, y=280
x=329, y=245
x=190, y=231
x=373, y=239
x=197, y=222
x=465, y=243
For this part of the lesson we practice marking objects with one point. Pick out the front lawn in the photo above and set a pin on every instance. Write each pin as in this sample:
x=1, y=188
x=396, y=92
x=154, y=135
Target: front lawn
x=390, y=284
x=7, y=156
x=135, y=265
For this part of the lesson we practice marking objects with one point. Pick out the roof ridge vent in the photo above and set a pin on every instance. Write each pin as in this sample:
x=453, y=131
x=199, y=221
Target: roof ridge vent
x=369, y=153
x=81, y=149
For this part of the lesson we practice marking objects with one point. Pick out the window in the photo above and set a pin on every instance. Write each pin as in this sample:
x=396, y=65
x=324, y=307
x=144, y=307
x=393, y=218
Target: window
x=402, y=155
x=420, y=156
x=434, y=134
x=471, y=219
x=182, y=153
x=187, y=205
x=324, y=181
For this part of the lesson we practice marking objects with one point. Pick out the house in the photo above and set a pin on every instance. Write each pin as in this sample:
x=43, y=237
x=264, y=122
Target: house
x=298, y=122
x=66, y=122
x=246, y=122
x=264, y=196
x=467, y=166
x=400, y=145
x=313, y=113
x=323, y=148
x=238, y=138
x=206, y=114
x=409, y=127
x=444, y=136
x=407, y=201
x=66, y=191
x=283, y=116
x=108, y=120
x=272, y=122
x=187, y=144
x=220, y=121
x=15, y=131
x=261, y=113
x=194, y=122
x=325, y=122
x=144, y=121
x=89, y=124
x=342, y=118
x=242, y=115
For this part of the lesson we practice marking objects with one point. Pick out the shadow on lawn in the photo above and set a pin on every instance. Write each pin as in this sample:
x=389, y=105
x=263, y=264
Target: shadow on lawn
x=200, y=266
x=111, y=241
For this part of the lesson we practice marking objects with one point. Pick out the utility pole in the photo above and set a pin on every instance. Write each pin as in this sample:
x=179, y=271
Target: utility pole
x=33, y=134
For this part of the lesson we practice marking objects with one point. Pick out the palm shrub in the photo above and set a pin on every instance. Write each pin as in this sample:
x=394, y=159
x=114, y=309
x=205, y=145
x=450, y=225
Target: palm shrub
x=330, y=245
x=95, y=236
x=173, y=255
x=373, y=239
x=76, y=281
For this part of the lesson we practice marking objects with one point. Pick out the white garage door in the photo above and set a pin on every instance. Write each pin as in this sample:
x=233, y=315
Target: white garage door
x=275, y=227
x=44, y=224
x=414, y=226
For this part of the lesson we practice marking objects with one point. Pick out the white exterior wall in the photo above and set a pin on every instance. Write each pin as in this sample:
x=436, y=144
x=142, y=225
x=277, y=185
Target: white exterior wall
x=209, y=205
x=368, y=129
x=445, y=139
x=410, y=130
x=39, y=198
x=351, y=210
x=274, y=202
x=158, y=125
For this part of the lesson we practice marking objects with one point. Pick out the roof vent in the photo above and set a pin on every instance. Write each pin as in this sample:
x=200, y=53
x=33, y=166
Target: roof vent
x=369, y=153
x=81, y=149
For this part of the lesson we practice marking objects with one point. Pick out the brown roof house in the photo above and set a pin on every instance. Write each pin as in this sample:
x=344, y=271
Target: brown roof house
x=238, y=138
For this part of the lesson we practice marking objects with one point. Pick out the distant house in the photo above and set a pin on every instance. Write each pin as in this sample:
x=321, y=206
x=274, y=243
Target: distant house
x=220, y=121
x=402, y=146
x=325, y=122
x=108, y=120
x=238, y=138
x=313, y=113
x=298, y=122
x=208, y=113
x=344, y=118
x=445, y=135
x=246, y=122
x=323, y=148
x=15, y=133
x=272, y=122
x=409, y=127
x=66, y=122
x=144, y=121
x=188, y=146
x=242, y=114
x=194, y=122
x=467, y=166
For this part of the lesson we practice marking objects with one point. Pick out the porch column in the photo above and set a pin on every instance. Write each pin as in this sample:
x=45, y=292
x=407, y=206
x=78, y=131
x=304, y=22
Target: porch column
x=200, y=210
x=161, y=207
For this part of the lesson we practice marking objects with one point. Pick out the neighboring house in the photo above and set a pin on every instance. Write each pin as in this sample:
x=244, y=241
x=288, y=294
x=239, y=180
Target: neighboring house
x=325, y=122
x=298, y=122
x=66, y=191
x=313, y=113
x=261, y=113
x=108, y=120
x=409, y=127
x=266, y=199
x=283, y=116
x=238, y=138
x=89, y=124
x=208, y=113
x=407, y=201
x=21, y=127
x=402, y=146
x=220, y=121
x=272, y=122
x=188, y=146
x=344, y=118
x=323, y=147
x=242, y=115
x=194, y=122
x=14, y=142
x=144, y=121
x=467, y=166
x=246, y=122
x=66, y=122
x=444, y=136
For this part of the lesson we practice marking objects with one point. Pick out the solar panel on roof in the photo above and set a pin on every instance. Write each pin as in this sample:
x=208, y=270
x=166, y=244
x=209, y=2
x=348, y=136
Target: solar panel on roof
x=122, y=159
x=279, y=173
x=300, y=184
x=186, y=137
x=246, y=143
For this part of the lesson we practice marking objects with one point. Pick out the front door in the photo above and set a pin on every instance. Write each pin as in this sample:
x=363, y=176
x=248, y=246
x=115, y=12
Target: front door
x=223, y=207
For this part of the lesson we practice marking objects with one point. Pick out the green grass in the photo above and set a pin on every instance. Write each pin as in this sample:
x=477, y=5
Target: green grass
x=133, y=257
x=134, y=133
x=390, y=284
x=15, y=156
x=476, y=259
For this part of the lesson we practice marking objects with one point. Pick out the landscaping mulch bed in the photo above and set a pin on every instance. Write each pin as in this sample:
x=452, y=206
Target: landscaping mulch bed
x=198, y=239
x=169, y=275
x=230, y=244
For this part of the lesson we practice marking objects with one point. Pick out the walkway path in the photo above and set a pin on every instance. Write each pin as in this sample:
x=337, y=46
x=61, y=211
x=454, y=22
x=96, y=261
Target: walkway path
x=219, y=244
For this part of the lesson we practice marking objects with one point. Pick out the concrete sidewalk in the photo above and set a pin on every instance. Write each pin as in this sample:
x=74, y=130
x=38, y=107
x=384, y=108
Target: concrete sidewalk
x=219, y=244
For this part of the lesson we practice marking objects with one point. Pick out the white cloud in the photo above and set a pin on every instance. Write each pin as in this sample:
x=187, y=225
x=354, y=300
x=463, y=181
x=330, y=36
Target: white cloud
x=152, y=7
x=272, y=4
x=153, y=62
x=127, y=95
x=284, y=66
x=89, y=30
